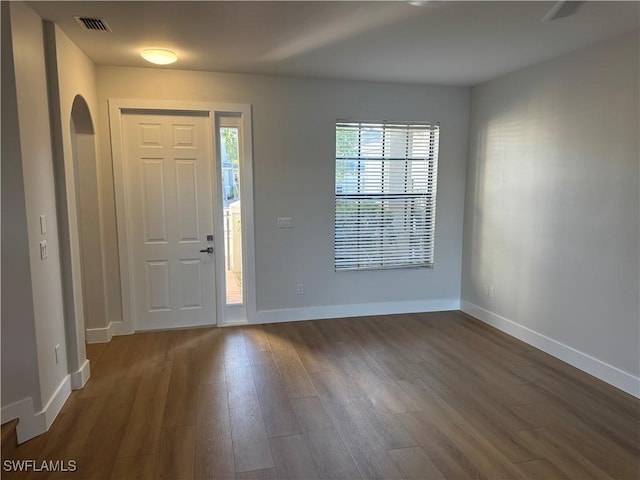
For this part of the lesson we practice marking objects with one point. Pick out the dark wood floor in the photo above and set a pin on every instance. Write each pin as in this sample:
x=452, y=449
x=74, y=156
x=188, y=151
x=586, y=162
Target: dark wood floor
x=425, y=396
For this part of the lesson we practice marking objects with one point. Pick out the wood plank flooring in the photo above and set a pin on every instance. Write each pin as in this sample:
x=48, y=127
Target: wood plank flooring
x=420, y=396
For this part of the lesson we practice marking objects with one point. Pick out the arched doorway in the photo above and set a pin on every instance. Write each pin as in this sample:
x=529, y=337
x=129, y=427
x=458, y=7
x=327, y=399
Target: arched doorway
x=80, y=297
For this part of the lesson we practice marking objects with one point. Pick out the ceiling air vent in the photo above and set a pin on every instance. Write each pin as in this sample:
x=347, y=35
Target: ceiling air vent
x=93, y=24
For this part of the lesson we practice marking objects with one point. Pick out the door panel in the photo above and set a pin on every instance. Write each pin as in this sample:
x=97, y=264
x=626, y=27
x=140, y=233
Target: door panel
x=153, y=211
x=168, y=175
x=186, y=185
x=158, y=286
x=192, y=278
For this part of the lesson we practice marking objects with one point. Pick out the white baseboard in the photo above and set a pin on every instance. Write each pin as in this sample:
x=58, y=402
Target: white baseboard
x=55, y=403
x=31, y=423
x=81, y=377
x=120, y=328
x=352, y=310
x=599, y=369
x=105, y=334
x=99, y=335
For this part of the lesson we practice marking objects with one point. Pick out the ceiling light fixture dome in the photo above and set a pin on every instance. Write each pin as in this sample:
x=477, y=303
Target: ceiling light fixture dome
x=159, y=56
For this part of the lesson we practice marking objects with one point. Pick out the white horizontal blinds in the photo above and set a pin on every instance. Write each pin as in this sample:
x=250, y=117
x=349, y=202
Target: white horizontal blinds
x=385, y=194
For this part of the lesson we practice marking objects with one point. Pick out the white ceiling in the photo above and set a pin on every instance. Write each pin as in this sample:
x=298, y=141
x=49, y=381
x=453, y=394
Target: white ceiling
x=456, y=43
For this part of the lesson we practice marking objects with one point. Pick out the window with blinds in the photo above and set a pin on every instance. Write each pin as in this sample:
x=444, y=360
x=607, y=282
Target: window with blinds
x=386, y=176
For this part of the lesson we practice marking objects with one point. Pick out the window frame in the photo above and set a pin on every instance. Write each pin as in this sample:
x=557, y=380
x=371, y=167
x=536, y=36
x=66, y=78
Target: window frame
x=411, y=246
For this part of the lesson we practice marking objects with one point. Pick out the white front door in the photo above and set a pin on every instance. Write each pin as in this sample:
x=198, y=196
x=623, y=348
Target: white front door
x=168, y=159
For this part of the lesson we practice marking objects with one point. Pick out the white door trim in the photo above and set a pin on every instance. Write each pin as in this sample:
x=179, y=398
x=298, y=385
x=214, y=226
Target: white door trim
x=116, y=110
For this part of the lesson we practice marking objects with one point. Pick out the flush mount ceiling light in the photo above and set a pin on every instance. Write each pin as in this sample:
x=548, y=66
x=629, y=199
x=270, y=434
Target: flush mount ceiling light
x=419, y=3
x=159, y=56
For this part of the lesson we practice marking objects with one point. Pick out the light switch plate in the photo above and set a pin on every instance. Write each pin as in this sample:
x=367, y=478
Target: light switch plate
x=43, y=224
x=284, y=222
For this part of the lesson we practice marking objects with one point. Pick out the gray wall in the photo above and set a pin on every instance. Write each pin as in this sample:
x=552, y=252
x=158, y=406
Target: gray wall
x=552, y=205
x=19, y=358
x=76, y=84
x=293, y=142
x=39, y=199
x=37, y=170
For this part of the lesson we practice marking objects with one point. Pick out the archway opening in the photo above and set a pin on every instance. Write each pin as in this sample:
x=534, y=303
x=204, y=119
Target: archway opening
x=83, y=144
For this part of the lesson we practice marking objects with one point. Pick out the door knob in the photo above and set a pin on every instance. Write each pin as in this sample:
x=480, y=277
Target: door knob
x=207, y=250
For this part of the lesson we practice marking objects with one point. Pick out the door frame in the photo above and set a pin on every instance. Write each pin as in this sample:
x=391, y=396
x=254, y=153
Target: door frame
x=118, y=108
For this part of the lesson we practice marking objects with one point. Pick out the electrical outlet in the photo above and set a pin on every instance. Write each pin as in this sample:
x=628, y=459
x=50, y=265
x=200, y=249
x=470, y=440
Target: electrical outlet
x=284, y=222
x=300, y=289
x=485, y=290
x=57, y=350
x=43, y=250
x=490, y=292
